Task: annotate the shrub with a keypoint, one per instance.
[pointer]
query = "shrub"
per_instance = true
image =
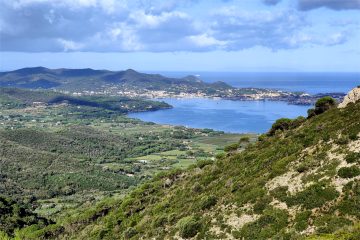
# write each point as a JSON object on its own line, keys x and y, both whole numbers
{"x": 311, "y": 113}
{"x": 352, "y": 157}
{"x": 324, "y": 104}
{"x": 197, "y": 188}
{"x": 129, "y": 233}
{"x": 301, "y": 220}
{"x": 349, "y": 172}
{"x": 207, "y": 202}
{"x": 160, "y": 221}
{"x": 321, "y": 106}
{"x": 314, "y": 196}
{"x": 280, "y": 124}
{"x": 202, "y": 163}
{"x": 231, "y": 147}
{"x": 244, "y": 140}
{"x": 188, "y": 227}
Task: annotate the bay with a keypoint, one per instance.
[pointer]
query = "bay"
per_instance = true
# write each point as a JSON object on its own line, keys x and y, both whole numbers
{"x": 223, "y": 115}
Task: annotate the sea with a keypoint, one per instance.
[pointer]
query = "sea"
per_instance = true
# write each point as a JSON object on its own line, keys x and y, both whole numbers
{"x": 246, "y": 116}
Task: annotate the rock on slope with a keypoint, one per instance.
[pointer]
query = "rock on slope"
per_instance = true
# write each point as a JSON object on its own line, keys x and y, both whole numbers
{"x": 351, "y": 97}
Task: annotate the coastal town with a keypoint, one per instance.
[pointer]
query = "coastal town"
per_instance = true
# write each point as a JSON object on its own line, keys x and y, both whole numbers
{"x": 234, "y": 94}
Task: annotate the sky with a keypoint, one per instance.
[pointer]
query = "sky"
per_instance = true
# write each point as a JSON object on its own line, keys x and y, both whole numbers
{"x": 182, "y": 35}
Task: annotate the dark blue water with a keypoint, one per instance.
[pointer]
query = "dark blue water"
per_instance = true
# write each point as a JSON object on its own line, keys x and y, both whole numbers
{"x": 223, "y": 115}
{"x": 290, "y": 81}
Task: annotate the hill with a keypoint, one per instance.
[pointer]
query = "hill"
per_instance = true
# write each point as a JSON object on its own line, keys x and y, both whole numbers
{"x": 95, "y": 80}
{"x": 299, "y": 181}
{"x": 19, "y": 98}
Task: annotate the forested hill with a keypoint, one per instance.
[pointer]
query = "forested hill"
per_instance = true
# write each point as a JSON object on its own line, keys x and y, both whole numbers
{"x": 301, "y": 179}
{"x": 81, "y": 79}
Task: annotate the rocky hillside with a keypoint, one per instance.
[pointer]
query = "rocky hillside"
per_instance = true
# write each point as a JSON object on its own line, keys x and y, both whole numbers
{"x": 302, "y": 180}
{"x": 352, "y": 97}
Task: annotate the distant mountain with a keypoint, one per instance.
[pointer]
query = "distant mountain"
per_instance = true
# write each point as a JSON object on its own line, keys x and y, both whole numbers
{"x": 90, "y": 79}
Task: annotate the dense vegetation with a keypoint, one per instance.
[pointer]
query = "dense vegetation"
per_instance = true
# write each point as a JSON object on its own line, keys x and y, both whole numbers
{"x": 297, "y": 181}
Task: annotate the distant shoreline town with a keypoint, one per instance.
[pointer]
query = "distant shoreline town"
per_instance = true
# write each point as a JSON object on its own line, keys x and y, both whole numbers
{"x": 130, "y": 83}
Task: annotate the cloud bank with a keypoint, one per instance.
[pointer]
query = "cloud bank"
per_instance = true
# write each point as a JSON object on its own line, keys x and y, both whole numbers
{"x": 306, "y": 5}
{"x": 155, "y": 26}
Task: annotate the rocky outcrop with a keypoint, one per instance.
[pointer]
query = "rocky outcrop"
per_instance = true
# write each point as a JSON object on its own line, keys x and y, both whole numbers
{"x": 351, "y": 97}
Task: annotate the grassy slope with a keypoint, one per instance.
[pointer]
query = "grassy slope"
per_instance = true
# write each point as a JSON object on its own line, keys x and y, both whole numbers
{"x": 283, "y": 187}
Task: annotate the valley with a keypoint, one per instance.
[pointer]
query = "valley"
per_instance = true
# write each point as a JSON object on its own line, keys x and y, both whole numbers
{"x": 58, "y": 153}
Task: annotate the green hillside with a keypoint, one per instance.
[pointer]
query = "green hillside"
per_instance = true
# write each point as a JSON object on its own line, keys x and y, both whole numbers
{"x": 290, "y": 184}
{"x": 89, "y": 79}
{"x": 57, "y": 156}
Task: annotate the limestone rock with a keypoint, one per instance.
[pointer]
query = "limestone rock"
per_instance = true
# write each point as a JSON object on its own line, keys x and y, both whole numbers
{"x": 351, "y": 97}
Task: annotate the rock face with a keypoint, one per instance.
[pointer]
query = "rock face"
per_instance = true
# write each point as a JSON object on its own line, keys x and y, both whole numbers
{"x": 351, "y": 97}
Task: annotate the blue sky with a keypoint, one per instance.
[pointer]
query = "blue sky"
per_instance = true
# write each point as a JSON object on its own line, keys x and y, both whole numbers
{"x": 181, "y": 35}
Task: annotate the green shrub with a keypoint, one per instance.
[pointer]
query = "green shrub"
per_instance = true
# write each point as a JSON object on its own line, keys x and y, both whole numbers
{"x": 352, "y": 157}
{"x": 324, "y": 104}
{"x": 314, "y": 196}
{"x": 231, "y": 147}
{"x": 207, "y": 202}
{"x": 311, "y": 113}
{"x": 160, "y": 221}
{"x": 188, "y": 227}
{"x": 261, "y": 204}
{"x": 244, "y": 140}
{"x": 301, "y": 220}
{"x": 267, "y": 226}
{"x": 280, "y": 124}
{"x": 202, "y": 163}
{"x": 130, "y": 232}
{"x": 349, "y": 172}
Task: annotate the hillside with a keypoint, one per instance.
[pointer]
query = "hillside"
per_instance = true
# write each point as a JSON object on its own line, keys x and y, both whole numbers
{"x": 303, "y": 181}
{"x": 89, "y": 79}
{"x": 20, "y": 98}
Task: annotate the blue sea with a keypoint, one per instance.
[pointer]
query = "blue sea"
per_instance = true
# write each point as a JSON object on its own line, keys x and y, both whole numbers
{"x": 247, "y": 116}
{"x": 313, "y": 83}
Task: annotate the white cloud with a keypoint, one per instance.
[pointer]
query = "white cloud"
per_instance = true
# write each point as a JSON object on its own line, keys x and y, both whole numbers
{"x": 204, "y": 40}
{"x": 153, "y": 25}
{"x": 69, "y": 45}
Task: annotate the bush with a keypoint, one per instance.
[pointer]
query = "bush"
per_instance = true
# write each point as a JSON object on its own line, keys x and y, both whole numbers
{"x": 129, "y": 233}
{"x": 314, "y": 196}
{"x": 207, "y": 202}
{"x": 188, "y": 227}
{"x": 321, "y": 106}
{"x": 231, "y": 147}
{"x": 202, "y": 163}
{"x": 280, "y": 124}
{"x": 301, "y": 220}
{"x": 349, "y": 172}
{"x": 324, "y": 104}
{"x": 244, "y": 140}
{"x": 352, "y": 157}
